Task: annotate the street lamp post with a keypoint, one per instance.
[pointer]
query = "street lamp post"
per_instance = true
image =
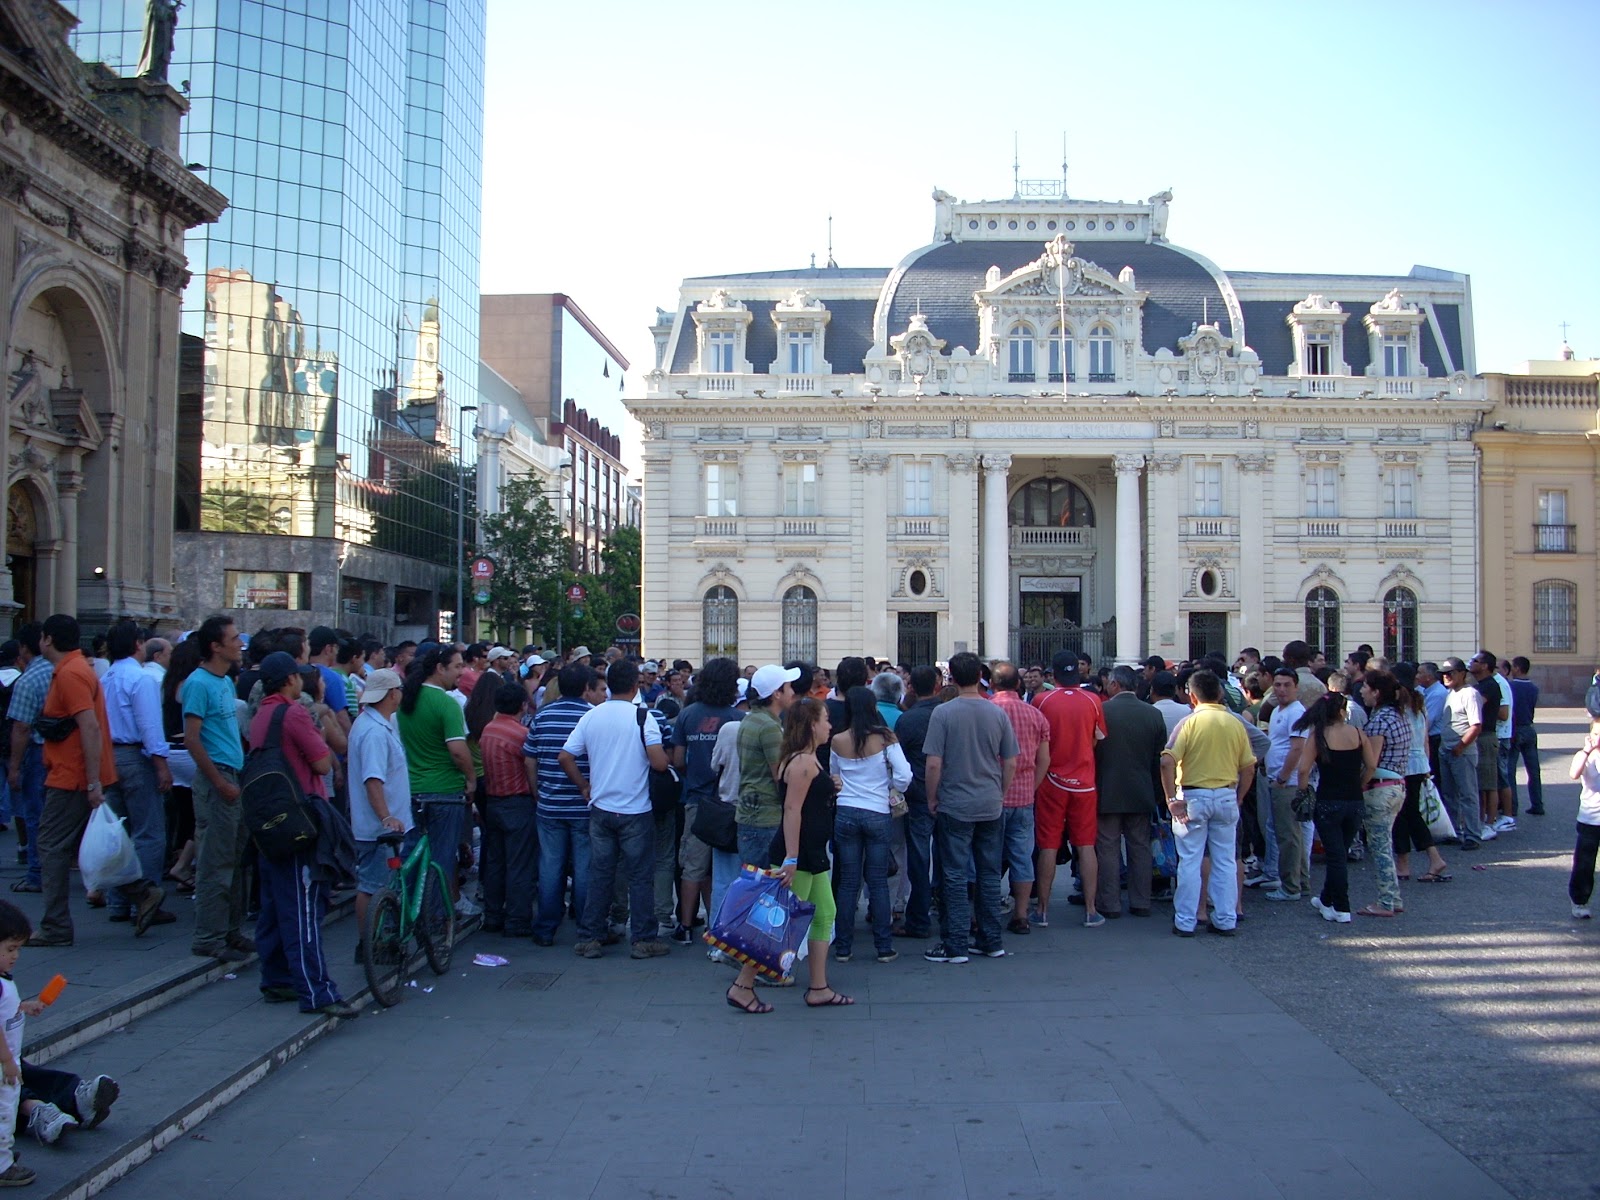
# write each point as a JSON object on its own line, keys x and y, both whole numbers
{"x": 565, "y": 471}
{"x": 461, "y": 518}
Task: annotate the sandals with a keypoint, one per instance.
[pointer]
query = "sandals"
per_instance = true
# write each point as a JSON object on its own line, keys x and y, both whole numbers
{"x": 1435, "y": 877}
{"x": 833, "y": 1001}
{"x": 755, "y": 1005}
{"x": 1373, "y": 910}
{"x": 22, "y": 885}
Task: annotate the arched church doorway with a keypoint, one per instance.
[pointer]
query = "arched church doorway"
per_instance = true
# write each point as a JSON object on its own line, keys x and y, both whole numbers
{"x": 22, "y": 537}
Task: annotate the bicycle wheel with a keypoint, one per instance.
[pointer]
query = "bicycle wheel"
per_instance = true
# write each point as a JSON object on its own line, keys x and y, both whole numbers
{"x": 436, "y": 923}
{"x": 383, "y": 950}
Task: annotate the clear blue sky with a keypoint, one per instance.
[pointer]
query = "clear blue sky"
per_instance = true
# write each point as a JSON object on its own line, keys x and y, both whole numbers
{"x": 629, "y": 144}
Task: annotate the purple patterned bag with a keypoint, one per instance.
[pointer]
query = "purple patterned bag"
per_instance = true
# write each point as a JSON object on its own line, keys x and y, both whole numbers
{"x": 761, "y": 923}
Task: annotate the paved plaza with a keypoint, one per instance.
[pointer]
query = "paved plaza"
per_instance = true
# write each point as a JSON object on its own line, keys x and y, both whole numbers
{"x": 1451, "y": 1053}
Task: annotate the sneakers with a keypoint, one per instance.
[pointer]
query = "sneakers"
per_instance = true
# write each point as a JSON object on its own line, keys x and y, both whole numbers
{"x": 939, "y": 954}
{"x": 683, "y": 935}
{"x": 1330, "y": 914}
{"x": 996, "y": 952}
{"x": 588, "y": 950}
{"x": 1278, "y": 893}
{"x": 1356, "y": 853}
{"x": 17, "y": 1175}
{"x": 466, "y": 908}
{"x": 841, "y": 956}
{"x": 888, "y": 956}
{"x": 717, "y": 956}
{"x": 1035, "y": 917}
{"x": 1580, "y": 912}
{"x": 1489, "y": 833}
{"x": 1094, "y": 920}
{"x": 47, "y": 1123}
{"x": 651, "y": 949}
{"x": 1259, "y": 878}
{"x": 1505, "y": 825}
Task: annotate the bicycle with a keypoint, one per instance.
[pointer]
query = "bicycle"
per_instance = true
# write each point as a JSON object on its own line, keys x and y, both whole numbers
{"x": 415, "y": 902}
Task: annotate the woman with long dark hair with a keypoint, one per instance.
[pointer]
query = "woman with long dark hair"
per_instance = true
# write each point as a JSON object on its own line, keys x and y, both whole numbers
{"x": 1334, "y": 748}
{"x": 866, "y": 762}
{"x": 434, "y": 734}
{"x": 1386, "y": 742}
{"x": 802, "y": 840}
{"x": 1411, "y": 832}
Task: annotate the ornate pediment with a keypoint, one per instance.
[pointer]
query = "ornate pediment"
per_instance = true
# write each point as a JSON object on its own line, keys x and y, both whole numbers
{"x": 1058, "y": 273}
{"x": 917, "y": 349}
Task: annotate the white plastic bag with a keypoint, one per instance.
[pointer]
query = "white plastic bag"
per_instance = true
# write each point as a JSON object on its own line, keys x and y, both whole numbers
{"x": 1435, "y": 813}
{"x": 105, "y": 856}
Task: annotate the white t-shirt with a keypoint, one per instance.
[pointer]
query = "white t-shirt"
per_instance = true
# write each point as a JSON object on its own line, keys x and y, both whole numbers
{"x": 619, "y": 768}
{"x": 1589, "y": 790}
{"x": 12, "y": 1017}
{"x": 1280, "y": 733}
{"x": 725, "y": 762}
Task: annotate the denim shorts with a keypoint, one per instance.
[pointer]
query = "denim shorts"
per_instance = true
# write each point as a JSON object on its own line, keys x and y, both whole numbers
{"x": 372, "y": 867}
{"x": 1017, "y": 825}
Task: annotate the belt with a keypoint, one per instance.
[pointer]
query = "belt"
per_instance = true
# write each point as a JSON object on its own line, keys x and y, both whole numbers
{"x": 127, "y": 745}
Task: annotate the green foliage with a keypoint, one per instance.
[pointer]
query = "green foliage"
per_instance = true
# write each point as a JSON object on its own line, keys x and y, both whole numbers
{"x": 532, "y": 555}
{"x": 612, "y": 592}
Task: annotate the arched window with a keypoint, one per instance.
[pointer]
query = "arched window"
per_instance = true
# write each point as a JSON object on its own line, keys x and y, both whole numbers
{"x": 719, "y": 618}
{"x": 1322, "y": 622}
{"x": 1051, "y": 501}
{"x": 1102, "y": 361}
{"x": 1021, "y": 349}
{"x": 1400, "y": 625}
{"x": 800, "y": 624}
{"x": 1555, "y": 616}
{"x": 1061, "y": 353}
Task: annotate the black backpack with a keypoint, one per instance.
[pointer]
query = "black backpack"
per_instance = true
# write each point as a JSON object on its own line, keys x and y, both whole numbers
{"x": 272, "y": 802}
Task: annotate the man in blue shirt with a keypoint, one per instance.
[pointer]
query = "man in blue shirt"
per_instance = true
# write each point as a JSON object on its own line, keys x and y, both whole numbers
{"x": 26, "y": 774}
{"x": 1434, "y": 694}
{"x": 1524, "y": 737}
{"x": 139, "y": 746}
{"x": 211, "y": 735}
{"x": 562, "y": 813}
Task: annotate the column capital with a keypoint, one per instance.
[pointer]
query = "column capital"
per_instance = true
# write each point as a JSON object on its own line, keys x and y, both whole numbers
{"x": 1252, "y": 464}
{"x": 996, "y": 464}
{"x": 874, "y": 464}
{"x": 961, "y": 464}
{"x": 1128, "y": 464}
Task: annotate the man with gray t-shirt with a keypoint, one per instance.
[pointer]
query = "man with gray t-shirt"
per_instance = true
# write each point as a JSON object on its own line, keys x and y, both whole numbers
{"x": 971, "y": 755}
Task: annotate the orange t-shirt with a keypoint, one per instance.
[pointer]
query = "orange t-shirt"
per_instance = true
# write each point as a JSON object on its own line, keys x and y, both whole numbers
{"x": 73, "y": 690}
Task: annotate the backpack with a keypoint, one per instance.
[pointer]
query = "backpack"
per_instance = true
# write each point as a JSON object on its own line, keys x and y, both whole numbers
{"x": 8, "y": 682}
{"x": 666, "y": 787}
{"x": 271, "y": 800}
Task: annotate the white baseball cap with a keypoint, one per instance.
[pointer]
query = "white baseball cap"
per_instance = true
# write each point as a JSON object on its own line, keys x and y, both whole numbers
{"x": 772, "y": 677}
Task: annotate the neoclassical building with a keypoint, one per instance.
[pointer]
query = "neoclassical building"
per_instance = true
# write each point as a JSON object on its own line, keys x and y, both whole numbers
{"x": 94, "y": 205}
{"x": 1051, "y": 427}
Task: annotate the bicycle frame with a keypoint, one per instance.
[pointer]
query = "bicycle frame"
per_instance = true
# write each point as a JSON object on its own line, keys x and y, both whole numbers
{"x": 408, "y": 881}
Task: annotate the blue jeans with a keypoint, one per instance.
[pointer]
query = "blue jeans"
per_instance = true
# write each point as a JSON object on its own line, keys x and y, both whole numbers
{"x": 1458, "y": 788}
{"x": 443, "y": 817}
{"x": 628, "y": 840}
{"x": 1018, "y": 824}
{"x": 561, "y": 841}
{"x": 134, "y": 797}
{"x": 1506, "y": 763}
{"x": 724, "y": 870}
{"x": 1211, "y": 828}
{"x": 1269, "y": 827}
{"x": 1526, "y": 743}
{"x": 507, "y": 864}
{"x": 919, "y": 862}
{"x": 755, "y": 845}
{"x": 982, "y": 844}
{"x": 861, "y": 842}
{"x": 28, "y": 803}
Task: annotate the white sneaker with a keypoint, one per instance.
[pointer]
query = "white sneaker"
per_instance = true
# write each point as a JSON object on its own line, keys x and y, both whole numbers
{"x": 1489, "y": 833}
{"x": 47, "y": 1123}
{"x": 1505, "y": 825}
{"x": 1333, "y": 914}
{"x": 1580, "y": 912}
{"x": 1316, "y": 903}
{"x": 466, "y": 908}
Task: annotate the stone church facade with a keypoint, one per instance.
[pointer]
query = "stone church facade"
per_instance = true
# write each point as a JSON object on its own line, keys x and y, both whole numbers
{"x": 1051, "y": 427}
{"x": 94, "y": 204}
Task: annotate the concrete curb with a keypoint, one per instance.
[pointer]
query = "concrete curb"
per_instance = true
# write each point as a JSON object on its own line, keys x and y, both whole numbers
{"x": 136, "y": 1150}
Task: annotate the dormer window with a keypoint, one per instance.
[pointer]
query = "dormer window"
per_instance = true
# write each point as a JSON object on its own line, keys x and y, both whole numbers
{"x": 1021, "y": 354}
{"x": 1318, "y": 325}
{"x": 1396, "y": 356}
{"x": 1395, "y": 330}
{"x": 1318, "y": 355}
{"x": 1102, "y": 361}
{"x": 1061, "y": 366}
{"x": 719, "y": 352}
{"x": 802, "y": 326}
{"x": 801, "y": 347}
{"x": 721, "y": 322}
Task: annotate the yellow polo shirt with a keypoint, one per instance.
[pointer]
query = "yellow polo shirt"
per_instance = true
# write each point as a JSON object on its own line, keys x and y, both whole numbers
{"x": 1211, "y": 748}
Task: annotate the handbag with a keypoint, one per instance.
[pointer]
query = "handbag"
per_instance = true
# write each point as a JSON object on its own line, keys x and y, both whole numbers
{"x": 1434, "y": 813}
{"x": 666, "y": 788}
{"x": 1163, "y": 849}
{"x": 715, "y": 822}
{"x": 897, "y": 799}
{"x": 761, "y": 923}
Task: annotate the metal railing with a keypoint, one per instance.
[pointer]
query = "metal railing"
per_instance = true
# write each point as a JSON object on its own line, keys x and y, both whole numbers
{"x": 1040, "y": 643}
{"x": 1555, "y": 539}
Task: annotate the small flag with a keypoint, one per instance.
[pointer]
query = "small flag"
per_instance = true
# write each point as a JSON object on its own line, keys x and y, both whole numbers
{"x": 605, "y": 370}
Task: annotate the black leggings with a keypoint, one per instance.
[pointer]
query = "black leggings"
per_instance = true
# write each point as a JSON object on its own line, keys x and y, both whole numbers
{"x": 49, "y": 1087}
{"x": 1581, "y": 886}
{"x": 1410, "y": 830}
{"x": 1337, "y": 822}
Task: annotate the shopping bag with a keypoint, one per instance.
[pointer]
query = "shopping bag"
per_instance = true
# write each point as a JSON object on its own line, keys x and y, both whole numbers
{"x": 1163, "y": 849}
{"x": 761, "y": 923}
{"x": 1434, "y": 812}
{"x": 105, "y": 855}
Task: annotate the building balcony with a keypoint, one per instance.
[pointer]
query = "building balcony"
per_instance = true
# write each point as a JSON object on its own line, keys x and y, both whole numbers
{"x": 918, "y": 528}
{"x": 718, "y": 529}
{"x": 1208, "y": 527}
{"x": 1362, "y": 530}
{"x": 1052, "y": 537}
{"x": 808, "y": 527}
{"x": 1555, "y": 539}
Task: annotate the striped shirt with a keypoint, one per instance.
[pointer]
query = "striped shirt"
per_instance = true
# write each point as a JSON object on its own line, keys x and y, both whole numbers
{"x": 558, "y": 796}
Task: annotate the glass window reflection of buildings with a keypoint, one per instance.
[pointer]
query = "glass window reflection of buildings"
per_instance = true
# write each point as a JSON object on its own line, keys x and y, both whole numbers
{"x": 331, "y": 325}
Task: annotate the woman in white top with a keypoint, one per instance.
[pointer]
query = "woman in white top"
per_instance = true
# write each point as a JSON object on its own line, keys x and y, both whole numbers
{"x": 866, "y": 761}
{"x": 1586, "y": 770}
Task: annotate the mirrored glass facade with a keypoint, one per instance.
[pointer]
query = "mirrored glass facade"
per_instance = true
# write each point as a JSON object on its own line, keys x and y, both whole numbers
{"x": 331, "y": 326}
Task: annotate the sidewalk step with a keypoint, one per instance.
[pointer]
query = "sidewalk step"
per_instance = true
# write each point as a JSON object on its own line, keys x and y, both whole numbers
{"x": 178, "y": 1061}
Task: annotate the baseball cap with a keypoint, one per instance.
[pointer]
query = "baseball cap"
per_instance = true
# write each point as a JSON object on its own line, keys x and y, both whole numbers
{"x": 499, "y": 652}
{"x": 276, "y": 669}
{"x": 743, "y": 685}
{"x": 379, "y": 684}
{"x": 772, "y": 677}
{"x": 1452, "y": 664}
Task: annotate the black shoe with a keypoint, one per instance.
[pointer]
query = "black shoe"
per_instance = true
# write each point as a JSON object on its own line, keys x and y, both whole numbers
{"x": 683, "y": 936}
{"x": 120, "y": 918}
{"x": 1138, "y": 912}
{"x": 1470, "y": 846}
{"x": 1182, "y": 932}
{"x": 1018, "y": 926}
{"x": 225, "y": 954}
{"x": 1536, "y": 812}
{"x": 1076, "y": 899}
{"x": 279, "y": 995}
{"x": 339, "y": 1008}
{"x": 1220, "y": 931}
{"x": 39, "y": 942}
{"x": 239, "y": 942}
{"x": 540, "y": 940}
{"x": 487, "y": 928}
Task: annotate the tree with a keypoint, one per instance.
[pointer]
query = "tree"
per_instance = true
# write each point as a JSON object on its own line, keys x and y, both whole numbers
{"x": 613, "y": 591}
{"x": 531, "y": 554}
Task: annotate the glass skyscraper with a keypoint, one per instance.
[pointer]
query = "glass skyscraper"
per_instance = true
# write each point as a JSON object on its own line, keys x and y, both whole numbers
{"x": 332, "y": 321}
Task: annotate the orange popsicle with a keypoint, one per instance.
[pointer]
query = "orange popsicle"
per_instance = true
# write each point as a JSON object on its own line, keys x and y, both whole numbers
{"x": 52, "y": 990}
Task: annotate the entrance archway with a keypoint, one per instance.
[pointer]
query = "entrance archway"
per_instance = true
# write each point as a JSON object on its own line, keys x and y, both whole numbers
{"x": 22, "y": 538}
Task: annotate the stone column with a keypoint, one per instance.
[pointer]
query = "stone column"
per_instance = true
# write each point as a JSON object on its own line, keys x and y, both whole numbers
{"x": 996, "y": 557}
{"x": 1252, "y": 579}
{"x": 875, "y": 556}
{"x": 69, "y": 486}
{"x": 961, "y": 574}
{"x": 1130, "y": 559}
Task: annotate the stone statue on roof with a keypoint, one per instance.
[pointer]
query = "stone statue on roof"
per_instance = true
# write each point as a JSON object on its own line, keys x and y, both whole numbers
{"x": 1158, "y": 214}
{"x": 160, "y": 30}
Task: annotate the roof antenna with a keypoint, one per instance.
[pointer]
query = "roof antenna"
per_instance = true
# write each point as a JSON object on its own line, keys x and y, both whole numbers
{"x": 831, "y": 263}
{"x": 1063, "y": 164}
{"x": 813, "y": 260}
{"x": 1016, "y": 169}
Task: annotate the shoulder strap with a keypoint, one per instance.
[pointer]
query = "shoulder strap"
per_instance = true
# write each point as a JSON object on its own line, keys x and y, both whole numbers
{"x": 275, "y": 729}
